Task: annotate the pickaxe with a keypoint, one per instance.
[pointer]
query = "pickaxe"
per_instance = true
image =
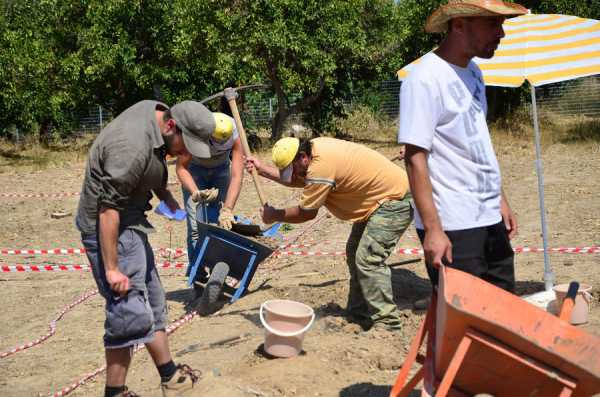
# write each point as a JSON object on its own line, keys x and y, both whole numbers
{"x": 230, "y": 95}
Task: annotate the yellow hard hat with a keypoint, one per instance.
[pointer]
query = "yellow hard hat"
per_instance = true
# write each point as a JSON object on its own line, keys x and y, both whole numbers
{"x": 284, "y": 151}
{"x": 223, "y": 127}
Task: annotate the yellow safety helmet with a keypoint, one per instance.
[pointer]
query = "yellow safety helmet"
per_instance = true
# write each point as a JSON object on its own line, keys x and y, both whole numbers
{"x": 284, "y": 151}
{"x": 223, "y": 127}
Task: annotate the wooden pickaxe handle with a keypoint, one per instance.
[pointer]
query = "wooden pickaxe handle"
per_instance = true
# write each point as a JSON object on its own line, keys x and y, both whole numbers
{"x": 230, "y": 95}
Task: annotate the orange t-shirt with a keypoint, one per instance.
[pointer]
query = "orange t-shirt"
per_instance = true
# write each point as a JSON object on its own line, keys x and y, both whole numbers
{"x": 350, "y": 180}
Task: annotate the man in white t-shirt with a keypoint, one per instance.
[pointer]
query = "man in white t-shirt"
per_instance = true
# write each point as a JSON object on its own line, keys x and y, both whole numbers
{"x": 463, "y": 218}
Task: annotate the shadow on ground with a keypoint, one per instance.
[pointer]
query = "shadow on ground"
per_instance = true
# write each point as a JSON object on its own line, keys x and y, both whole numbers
{"x": 528, "y": 287}
{"x": 408, "y": 287}
{"x": 371, "y": 390}
{"x": 180, "y": 295}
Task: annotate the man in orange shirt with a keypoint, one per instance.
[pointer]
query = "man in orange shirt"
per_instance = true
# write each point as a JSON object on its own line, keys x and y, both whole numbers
{"x": 356, "y": 184}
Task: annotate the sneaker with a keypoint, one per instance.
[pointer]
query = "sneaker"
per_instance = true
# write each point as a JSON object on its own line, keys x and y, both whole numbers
{"x": 184, "y": 379}
{"x": 422, "y": 304}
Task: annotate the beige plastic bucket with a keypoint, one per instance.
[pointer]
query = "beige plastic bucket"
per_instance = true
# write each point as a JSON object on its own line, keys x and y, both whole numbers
{"x": 583, "y": 300}
{"x": 285, "y": 323}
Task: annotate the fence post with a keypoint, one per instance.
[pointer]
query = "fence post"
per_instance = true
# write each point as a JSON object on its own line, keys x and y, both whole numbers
{"x": 100, "y": 112}
{"x": 270, "y": 109}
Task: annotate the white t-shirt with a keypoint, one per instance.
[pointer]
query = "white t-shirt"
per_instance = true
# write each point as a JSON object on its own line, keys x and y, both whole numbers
{"x": 443, "y": 110}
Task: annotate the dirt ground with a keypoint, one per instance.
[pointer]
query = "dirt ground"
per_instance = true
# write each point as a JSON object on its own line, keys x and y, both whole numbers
{"x": 339, "y": 358}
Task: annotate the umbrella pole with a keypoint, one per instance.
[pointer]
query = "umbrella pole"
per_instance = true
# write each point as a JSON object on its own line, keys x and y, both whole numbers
{"x": 548, "y": 274}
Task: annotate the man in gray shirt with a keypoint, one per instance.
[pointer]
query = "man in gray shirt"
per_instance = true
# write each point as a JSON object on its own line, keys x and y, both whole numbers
{"x": 126, "y": 164}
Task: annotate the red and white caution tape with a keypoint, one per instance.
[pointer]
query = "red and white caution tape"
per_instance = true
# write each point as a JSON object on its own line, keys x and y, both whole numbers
{"x": 309, "y": 253}
{"x": 174, "y": 326}
{"x": 409, "y": 251}
{"x": 419, "y": 251}
{"x": 20, "y": 268}
{"x": 159, "y": 251}
{"x": 561, "y": 250}
{"x": 40, "y": 195}
{"x": 79, "y": 251}
{"x": 38, "y": 268}
{"x": 52, "y": 251}
{"x": 296, "y": 246}
{"x": 186, "y": 318}
{"x": 83, "y": 380}
{"x": 52, "y": 326}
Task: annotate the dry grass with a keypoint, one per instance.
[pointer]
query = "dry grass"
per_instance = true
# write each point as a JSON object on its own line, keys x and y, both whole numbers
{"x": 30, "y": 155}
{"x": 363, "y": 125}
{"x": 517, "y": 128}
{"x": 514, "y": 132}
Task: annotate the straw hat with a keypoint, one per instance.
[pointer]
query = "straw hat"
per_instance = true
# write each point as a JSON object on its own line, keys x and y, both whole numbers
{"x": 438, "y": 21}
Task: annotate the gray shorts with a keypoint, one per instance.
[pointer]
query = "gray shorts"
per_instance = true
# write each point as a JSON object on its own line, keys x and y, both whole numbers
{"x": 132, "y": 319}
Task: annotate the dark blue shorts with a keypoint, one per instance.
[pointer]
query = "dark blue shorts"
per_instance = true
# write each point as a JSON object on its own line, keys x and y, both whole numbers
{"x": 131, "y": 319}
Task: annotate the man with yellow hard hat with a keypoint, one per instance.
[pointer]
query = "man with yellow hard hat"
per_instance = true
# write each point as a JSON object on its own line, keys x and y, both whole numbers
{"x": 356, "y": 184}
{"x": 214, "y": 180}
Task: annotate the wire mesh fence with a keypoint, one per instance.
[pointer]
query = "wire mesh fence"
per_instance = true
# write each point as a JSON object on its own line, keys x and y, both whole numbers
{"x": 390, "y": 103}
{"x": 94, "y": 119}
{"x": 579, "y": 97}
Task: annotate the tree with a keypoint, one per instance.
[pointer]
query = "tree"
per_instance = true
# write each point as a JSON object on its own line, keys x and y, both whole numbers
{"x": 311, "y": 52}
{"x": 38, "y": 65}
{"x": 126, "y": 49}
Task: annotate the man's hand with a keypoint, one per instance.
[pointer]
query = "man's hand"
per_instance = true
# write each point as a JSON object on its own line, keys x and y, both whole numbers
{"x": 165, "y": 195}
{"x": 251, "y": 163}
{"x": 226, "y": 218}
{"x": 437, "y": 246}
{"x": 269, "y": 214}
{"x": 509, "y": 218}
{"x": 171, "y": 202}
{"x": 205, "y": 195}
{"x": 401, "y": 152}
{"x": 118, "y": 281}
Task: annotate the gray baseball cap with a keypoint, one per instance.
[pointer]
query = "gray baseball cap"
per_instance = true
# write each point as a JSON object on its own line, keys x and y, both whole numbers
{"x": 197, "y": 124}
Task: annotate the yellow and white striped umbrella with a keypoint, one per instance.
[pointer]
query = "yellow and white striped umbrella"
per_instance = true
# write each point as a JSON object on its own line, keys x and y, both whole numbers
{"x": 542, "y": 49}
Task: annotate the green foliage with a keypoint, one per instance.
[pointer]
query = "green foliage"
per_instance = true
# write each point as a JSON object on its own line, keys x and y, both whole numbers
{"x": 315, "y": 51}
{"x": 60, "y": 56}
{"x": 38, "y": 67}
{"x": 580, "y": 8}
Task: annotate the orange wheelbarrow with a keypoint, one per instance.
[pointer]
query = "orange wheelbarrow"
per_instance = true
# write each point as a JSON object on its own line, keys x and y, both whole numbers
{"x": 484, "y": 340}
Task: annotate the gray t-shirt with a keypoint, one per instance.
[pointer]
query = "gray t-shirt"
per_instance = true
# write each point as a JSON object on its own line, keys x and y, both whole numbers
{"x": 126, "y": 162}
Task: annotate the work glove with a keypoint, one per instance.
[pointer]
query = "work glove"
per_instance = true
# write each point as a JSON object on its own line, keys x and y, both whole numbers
{"x": 205, "y": 195}
{"x": 226, "y": 218}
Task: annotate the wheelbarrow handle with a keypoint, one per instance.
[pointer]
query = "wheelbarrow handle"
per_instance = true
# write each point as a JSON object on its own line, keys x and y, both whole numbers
{"x": 569, "y": 302}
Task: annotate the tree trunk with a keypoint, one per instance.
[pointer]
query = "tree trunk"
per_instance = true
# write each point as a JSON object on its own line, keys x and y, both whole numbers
{"x": 45, "y": 133}
{"x": 278, "y": 122}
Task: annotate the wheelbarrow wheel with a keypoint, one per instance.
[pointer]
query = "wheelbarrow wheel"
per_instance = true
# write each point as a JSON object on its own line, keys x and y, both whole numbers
{"x": 209, "y": 301}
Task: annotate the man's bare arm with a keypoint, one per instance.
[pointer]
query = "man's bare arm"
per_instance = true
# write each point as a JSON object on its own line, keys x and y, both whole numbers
{"x": 436, "y": 244}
